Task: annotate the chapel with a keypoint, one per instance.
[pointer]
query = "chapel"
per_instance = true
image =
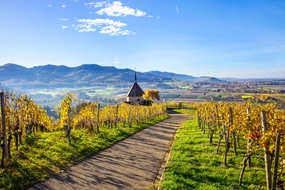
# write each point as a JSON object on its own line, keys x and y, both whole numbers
{"x": 134, "y": 96}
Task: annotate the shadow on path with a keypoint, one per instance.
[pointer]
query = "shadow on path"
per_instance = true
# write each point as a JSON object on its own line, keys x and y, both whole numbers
{"x": 130, "y": 164}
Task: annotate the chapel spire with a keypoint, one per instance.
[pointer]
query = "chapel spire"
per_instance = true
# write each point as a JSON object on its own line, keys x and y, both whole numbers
{"x": 135, "y": 93}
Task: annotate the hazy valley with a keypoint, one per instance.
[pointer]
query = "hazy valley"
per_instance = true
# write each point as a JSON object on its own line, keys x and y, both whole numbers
{"x": 48, "y": 84}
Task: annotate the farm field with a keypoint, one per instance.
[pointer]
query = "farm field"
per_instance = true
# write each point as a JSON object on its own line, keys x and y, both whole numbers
{"x": 52, "y": 97}
{"x": 280, "y": 97}
{"x": 112, "y": 95}
{"x": 273, "y": 87}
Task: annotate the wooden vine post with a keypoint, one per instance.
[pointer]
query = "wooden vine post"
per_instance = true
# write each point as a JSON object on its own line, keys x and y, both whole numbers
{"x": 97, "y": 119}
{"x": 129, "y": 117}
{"x": 233, "y": 133}
{"x": 247, "y": 157}
{"x": 266, "y": 153}
{"x": 221, "y": 133}
{"x": 4, "y": 146}
{"x": 68, "y": 125}
{"x": 276, "y": 161}
{"x": 199, "y": 119}
{"x": 211, "y": 131}
{"x": 234, "y": 142}
{"x": 227, "y": 135}
{"x": 116, "y": 117}
{"x": 248, "y": 140}
{"x": 205, "y": 119}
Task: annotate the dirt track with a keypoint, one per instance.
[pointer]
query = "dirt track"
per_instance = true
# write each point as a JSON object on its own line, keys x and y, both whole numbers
{"x": 134, "y": 163}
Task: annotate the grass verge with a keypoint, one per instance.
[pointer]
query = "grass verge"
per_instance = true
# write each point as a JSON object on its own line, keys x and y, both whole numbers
{"x": 185, "y": 111}
{"x": 48, "y": 154}
{"x": 194, "y": 164}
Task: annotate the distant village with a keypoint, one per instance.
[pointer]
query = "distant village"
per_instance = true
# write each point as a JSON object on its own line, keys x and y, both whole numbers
{"x": 204, "y": 89}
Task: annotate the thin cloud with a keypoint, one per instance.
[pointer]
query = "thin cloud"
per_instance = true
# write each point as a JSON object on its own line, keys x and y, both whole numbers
{"x": 105, "y": 26}
{"x": 117, "y": 61}
{"x": 49, "y": 5}
{"x": 95, "y": 4}
{"x": 99, "y": 22}
{"x": 150, "y": 16}
{"x": 117, "y": 9}
{"x": 176, "y": 9}
{"x": 63, "y": 19}
{"x": 64, "y": 27}
{"x": 114, "y": 31}
{"x": 63, "y": 6}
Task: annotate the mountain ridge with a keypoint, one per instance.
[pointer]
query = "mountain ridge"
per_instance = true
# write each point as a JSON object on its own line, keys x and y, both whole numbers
{"x": 86, "y": 74}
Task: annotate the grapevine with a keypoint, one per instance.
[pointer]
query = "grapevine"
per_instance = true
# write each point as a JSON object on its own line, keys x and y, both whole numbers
{"x": 258, "y": 124}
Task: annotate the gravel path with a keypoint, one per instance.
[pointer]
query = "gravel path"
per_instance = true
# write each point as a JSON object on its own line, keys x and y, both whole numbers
{"x": 134, "y": 163}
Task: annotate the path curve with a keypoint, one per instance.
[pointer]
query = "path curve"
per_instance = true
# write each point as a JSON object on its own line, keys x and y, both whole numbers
{"x": 134, "y": 163}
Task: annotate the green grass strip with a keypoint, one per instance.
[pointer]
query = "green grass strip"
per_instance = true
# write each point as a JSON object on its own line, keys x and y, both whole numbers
{"x": 185, "y": 111}
{"x": 194, "y": 164}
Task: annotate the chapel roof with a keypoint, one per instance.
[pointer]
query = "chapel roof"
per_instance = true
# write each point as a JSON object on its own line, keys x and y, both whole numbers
{"x": 136, "y": 90}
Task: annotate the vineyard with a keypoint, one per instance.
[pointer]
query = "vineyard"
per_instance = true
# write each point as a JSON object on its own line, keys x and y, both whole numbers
{"x": 259, "y": 129}
{"x": 33, "y": 141}
{"x": 26, "y": 128}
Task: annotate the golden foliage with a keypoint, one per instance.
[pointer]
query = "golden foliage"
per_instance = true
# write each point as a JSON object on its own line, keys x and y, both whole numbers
{"x": 246, "y": 122}
{"x": 151, "y": 95}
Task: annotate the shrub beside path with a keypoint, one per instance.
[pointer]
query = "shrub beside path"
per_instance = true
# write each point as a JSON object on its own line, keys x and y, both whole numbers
{"x": 134, "y": 163}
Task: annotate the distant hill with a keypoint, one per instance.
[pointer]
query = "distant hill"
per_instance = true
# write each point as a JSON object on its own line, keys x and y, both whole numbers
{"x": 209, "y": 79}
{"x": 52, "y": 75}
{"x": 87, "y": 74}
{"x": 173, "y": 76}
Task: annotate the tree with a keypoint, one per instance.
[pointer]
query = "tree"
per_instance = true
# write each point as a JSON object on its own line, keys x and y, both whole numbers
{"x": 151, "y": 95}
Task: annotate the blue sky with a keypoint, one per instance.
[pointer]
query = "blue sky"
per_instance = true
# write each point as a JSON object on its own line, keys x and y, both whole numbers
{"x": 221, "y": 38}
